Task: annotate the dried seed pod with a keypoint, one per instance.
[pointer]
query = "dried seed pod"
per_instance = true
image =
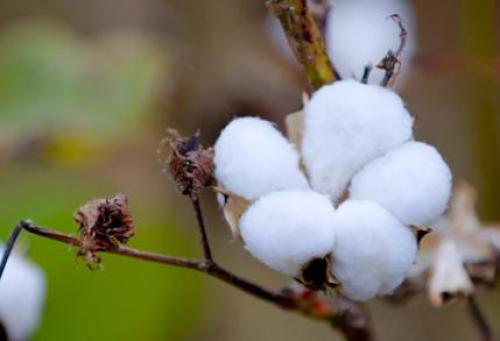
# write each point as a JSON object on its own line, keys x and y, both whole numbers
{"x": 190, "y": 165}
{"x": 103, "y": 224}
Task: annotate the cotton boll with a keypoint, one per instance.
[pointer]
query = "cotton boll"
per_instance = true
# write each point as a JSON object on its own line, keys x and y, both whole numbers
{"x": 373, "y": 251}
{"x": 359, "y": 32}
{"x": 22, "y": 294}
{"x": 412, "y": 182}
{"x": 347, "y": 124}
{"x": 285, "y": 230}
{"x": 252, "y": 158}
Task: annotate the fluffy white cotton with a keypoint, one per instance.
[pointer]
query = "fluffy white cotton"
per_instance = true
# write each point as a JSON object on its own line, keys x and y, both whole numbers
{"x": 358, "y": 33}
{"x": 287, "y": 229}
{"x": 347, "y": 124}
{"x": 252, "y": 158}
{"x": 22, "y": 294}
{"x": 373, "y": 251}
{"x": 412, "y": 182}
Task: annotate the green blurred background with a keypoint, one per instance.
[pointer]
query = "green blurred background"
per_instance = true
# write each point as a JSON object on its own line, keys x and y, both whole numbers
{"x": 87, "y": 89}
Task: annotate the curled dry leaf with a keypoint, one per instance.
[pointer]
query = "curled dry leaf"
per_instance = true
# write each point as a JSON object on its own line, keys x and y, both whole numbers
{"x": 189, "y": 163}
{"x": 103, "y": 224}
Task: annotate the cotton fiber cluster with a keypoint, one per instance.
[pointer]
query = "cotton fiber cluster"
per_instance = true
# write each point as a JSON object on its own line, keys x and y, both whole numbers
{"x": 22, "y": 294}
{"x": 287, "y": 229}
{"x": 359, "y": 33}
{"x": 358, "y": 153}
{"x": 252, "y": 158}
{"x": 373, "y": 250}
{"x": 348, "y": 124}
{"x": 412, "y": 182}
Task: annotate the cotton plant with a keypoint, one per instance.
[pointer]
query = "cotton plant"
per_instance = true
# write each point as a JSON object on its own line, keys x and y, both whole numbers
{"x": 338, "y": 206}
{"x": 459, "y": 250}
{"x": 358, "y": 34}
{"x": 22, "y": 296}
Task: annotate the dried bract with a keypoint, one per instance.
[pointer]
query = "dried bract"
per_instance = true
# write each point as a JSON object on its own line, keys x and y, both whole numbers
{"x": 189, "y": 163}
{"x": 103, "y": 224}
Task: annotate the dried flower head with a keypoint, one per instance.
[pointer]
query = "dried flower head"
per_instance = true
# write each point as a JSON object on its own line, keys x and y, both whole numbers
{"x": 189, "y": 163}
{"x": 103, "y": 224}
{"x": 459, "y": 252}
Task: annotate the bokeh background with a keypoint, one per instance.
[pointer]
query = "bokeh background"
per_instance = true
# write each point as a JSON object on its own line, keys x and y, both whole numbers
{"x": 87, "y": 89}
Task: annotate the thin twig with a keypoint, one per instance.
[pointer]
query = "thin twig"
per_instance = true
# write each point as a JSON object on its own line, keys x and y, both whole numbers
{"x": 391, "y": 62}
{"x": 341, "y": 313}
{"x": 305, "y": 40}
{"x": 9, "y": 246}
{"x": 203, "y": 231}
{"x": 479, "y": 319}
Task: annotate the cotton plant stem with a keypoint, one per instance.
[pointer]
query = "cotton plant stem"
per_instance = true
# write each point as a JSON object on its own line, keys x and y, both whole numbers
{"x": 341, "y": 313}
{"x": 9, "y": 246}
{"x": 202, "y": 229}
{"x": 305, "y": 40}
{"x": 479, "y": 319}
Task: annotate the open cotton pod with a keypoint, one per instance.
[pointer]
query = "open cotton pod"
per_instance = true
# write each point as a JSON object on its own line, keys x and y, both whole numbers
{"x": 373, "y": 251}
{"x": 359, "y": 33}
{"x": 412, "y": 182}
{"x": 348, "y": 124}
{"x": 253, "y": 158}
{"x": 22, "y": 294}
{"x": 287, "y": 230}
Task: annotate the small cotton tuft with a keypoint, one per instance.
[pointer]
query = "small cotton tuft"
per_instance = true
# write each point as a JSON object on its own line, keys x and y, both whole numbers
{"x": 22, "y": 294}
{"x": 412, "y": 182}
{"x": 252, "y": 158}
{"x": 373, "y": 251}
{"x": 287, "y": 229}
{"x": 347, "y": 124}
{"x": 358, "y": 33}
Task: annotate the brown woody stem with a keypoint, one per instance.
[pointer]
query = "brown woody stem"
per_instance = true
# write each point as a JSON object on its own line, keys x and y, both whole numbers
{"x": 341, "y": 313}
{"x": 203, "y": 231}
{"x": 305, "y": 40}
{"x": 479, "y": 319}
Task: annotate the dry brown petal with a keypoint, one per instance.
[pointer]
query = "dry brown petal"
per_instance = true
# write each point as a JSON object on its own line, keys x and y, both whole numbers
{"x": 463, "y": 216}
{"x": 190, "y": 165}
{"x": 490, "y": 233}
{"x": 234, "y": 207}
{"x": 295, "y": 128}
{"x": 103, "y": 224}
{"x": 484, "y": 272}
{"x": 448, "y": 278}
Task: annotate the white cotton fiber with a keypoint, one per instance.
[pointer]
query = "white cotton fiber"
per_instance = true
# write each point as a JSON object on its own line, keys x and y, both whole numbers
{"x": 252, "y": 158}
{"x": 412, "y": 182}
{"x": 348, "y": 124}
{"x": 373, "y": 251}
{"x": 358, "y": 33}
{"x": 22, "y": 294}
{"x": 287, "y": 229}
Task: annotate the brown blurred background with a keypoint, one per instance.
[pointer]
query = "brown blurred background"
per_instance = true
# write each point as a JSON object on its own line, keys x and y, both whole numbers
{"x": 87, "y": 89}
